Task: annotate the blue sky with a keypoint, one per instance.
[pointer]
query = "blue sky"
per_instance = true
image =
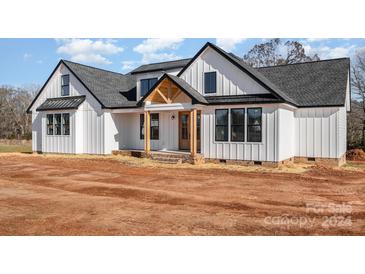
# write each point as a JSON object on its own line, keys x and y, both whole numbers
{"x": 26, "y": 62}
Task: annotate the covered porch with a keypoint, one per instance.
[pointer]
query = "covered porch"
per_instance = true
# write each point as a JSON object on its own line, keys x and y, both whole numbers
{"x": 168, "y": 125}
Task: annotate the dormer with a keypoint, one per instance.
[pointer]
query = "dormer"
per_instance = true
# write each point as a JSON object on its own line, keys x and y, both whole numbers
{"x": 147, "y": 75}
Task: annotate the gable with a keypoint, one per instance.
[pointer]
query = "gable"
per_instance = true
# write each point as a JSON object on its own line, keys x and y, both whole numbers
{"x": 230, "y": 79}
{"x": 52, "y": 89}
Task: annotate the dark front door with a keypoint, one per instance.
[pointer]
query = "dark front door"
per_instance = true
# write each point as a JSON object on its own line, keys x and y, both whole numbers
{"x": 184, "y": 130}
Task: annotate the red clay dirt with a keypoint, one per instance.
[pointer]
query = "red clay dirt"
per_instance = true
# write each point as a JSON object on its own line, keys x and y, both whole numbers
{"x": 42, "y": 195}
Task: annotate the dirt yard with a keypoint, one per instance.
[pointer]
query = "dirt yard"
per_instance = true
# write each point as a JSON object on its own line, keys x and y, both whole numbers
{"x": 59, "y": 195}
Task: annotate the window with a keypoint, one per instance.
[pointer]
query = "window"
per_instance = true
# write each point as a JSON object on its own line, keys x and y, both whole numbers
{"x": 154, "y": 128}
{"x": 238, "y": 125}
{"x": 49, "y": 124}
{"x": 57, "y": 124}
{"x": 147, "y": 84}
{"x": 254, "y": 122}
{"x": 210, "y": 82}
{"x": 141, "y": 126}
{"x": 221, "y": 124}
{"x": 65, "y": 124}
{"x": 65, "y": 85}
{"x": 155, "y": 124}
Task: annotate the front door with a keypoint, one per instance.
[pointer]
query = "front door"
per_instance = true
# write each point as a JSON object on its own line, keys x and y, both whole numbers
{"x": 184, "y": 130}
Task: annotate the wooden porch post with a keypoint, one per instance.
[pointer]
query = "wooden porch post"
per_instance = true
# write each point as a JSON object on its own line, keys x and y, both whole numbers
{"x": 147, "y": 132}
{"x": 193, "y": 132}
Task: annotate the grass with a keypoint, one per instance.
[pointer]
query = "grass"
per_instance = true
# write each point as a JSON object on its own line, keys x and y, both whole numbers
{"x": 15, "y": 148}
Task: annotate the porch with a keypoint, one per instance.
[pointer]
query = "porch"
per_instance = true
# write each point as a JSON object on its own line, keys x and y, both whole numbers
{"x": 167, "y": 126}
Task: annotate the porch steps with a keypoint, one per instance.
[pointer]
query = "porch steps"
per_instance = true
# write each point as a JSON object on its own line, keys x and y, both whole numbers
{"x": 169, "y": 158}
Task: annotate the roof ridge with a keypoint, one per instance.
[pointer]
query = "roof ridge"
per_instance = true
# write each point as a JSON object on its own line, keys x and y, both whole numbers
{"x": 63, "y": 60}
{"x": 302, "y": 63}
{"x": 166, "y": 61}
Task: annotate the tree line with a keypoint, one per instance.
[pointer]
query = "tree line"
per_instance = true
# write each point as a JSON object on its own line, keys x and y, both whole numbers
{"x": 15, "y": 123}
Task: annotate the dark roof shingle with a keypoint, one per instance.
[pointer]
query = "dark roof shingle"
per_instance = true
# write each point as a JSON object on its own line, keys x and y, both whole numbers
{"x": 163, "y": 66}
{"x": 310, "y": 84}
{"x": 111, "y": 89}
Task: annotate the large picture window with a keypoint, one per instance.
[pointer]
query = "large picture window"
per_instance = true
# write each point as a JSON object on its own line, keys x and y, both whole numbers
{"x": 49, "y": 124}
{"x": 65, "y": 85}
{"x": 147, "y": 84}
{"x": 155, "y": 126}
{"x": 210, "y": 82}
{"x": 238, "y": 125}
{"x": 58, "y": 124}
{"x": 221, "y": 124}
{"x": 254, "y": 124}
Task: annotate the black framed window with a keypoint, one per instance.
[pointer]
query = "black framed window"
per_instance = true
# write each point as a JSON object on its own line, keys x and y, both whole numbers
{"x": 65, "y": 124}
{"x": 147, "y": 84}
{"x": 238, "y": 124}
{"x": 210, "y": 82}
{"x": 254, "y": 124}
{"x": 141, "y": 126}
{"x": 155, "y": 126}
{"x": 57, "y": 124}
{"x": 65, "y": 85}
{"x": 221, "y": 124}
{"x": 49, "y": 124}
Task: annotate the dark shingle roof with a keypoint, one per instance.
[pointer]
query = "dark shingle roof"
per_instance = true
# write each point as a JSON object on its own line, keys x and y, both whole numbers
{"x": 243, "y": 99}
{"x": 319, "y": 83}
{"x": 72, "y": 102}
{"x": 164, "y": 66}
{"x": 111, "y": 89}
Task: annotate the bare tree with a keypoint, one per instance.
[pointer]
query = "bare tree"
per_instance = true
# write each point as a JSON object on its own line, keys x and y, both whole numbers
{"x": 14, "y": 122}
{"x": 274, "y": 52}
{"x": 358, "y": 84}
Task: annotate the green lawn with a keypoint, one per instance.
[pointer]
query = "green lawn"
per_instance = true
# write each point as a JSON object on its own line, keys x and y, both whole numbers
{"x": 15, "y": 148}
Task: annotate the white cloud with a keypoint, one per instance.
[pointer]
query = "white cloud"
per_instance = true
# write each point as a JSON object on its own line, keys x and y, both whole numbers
{"x": 154, "y": 49}
{"x": 229, "y": 44}
{"x": 326, "y": 52}
{"x": 27, "y": 56}
{"x": 87, "y": 50}
{"x": 310, "y": 40}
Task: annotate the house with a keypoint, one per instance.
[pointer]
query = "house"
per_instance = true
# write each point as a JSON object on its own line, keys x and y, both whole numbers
{"x": 212, "y": 106}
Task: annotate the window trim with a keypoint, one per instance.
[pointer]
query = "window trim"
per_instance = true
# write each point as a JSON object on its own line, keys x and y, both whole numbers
{"x": 148, "y": 84}
{"x": 248, "y": 125}
{"x": 215, "y": 125}
{"x": 48, "y": 124}
{"x": 54, "y": 125}
{"x": 243, "y": 125}
{"x": 141, "y": 126}
{"x": 158, "y": 126}
{"x": 64, "y": 85}
{"x": 216, "y": 80}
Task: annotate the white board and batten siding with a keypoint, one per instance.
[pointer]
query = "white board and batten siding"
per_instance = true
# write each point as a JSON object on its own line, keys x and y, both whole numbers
{"x": 128, "y": 125}
{"x": 230, "y": 79}
{"x": 266, "y": 150}
{"x": 86, "y": 124}
{"x": 320, "y": 132}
